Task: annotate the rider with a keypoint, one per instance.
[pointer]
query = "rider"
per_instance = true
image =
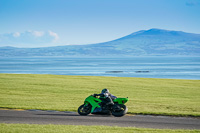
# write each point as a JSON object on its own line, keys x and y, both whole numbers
{"x": 106, "y": 97}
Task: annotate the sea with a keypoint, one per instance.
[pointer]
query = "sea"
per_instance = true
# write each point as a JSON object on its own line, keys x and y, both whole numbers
{"x": 145, "y": 67}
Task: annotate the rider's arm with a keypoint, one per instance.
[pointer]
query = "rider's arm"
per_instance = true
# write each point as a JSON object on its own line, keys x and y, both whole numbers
{"x": 95, "y": 95}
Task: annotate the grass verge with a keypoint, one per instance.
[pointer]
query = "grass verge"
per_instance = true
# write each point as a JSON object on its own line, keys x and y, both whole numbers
{"x": 33, "y": 128}
{"x": 59, "y": 92}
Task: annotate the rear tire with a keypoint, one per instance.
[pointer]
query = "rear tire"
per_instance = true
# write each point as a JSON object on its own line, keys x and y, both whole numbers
{"x": 119, "y": 110}
{"x": 84, "y": 110}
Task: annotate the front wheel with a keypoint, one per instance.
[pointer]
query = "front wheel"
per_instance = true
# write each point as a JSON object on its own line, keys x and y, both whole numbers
{"x": 119, "y": 110}
{"x": 84, "y": 109}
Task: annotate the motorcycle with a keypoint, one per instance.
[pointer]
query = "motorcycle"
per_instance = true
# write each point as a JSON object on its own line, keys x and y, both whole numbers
{"x": 94, "y": 104}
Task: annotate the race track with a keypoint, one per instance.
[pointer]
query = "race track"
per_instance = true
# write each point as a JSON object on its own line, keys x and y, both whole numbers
{"x": 72, "y": 118}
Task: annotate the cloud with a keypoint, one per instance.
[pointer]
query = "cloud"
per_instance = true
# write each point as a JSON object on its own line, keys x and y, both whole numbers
{"x": 192, "y": 3}
{"x": 38, "y": 33}
{"x": 29, "y": 39}
{"x": 16, "y": 34}
{"x": 53, "y": 34}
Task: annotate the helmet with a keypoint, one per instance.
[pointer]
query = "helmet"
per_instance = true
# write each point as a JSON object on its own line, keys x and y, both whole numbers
{"x": 105, "y": 91}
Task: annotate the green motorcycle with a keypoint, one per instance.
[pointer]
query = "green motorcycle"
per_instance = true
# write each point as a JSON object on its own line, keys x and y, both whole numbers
{"x": 95, "y": 105}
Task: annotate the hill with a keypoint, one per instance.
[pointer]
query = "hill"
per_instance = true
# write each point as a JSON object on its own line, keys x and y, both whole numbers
{"x": 153, "y": 42}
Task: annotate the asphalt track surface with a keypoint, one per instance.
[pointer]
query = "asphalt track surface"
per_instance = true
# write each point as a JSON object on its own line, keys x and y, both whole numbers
{"x": 72, "y": 118}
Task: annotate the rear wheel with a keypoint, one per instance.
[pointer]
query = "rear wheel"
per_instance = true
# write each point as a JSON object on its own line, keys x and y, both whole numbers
{"x": 84, "y": 109}
{"x": 119, "y": 110}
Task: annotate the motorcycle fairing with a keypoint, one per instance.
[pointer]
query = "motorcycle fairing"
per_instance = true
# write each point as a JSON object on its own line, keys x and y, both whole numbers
{"x": 120, "y": 100}
{"x": 93, "y": 101}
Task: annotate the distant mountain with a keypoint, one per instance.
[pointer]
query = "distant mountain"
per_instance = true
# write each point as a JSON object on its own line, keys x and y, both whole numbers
{"x": 153, "y": 42}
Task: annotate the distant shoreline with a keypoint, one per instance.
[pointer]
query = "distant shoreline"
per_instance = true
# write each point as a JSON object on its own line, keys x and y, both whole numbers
{"x": 96, "y": 76}
{"x": 147, "y": 67}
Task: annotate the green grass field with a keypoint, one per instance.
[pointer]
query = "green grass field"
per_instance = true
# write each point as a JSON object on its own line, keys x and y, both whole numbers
{"x": 67, "y": 93}
{"x": 33, "y": 128}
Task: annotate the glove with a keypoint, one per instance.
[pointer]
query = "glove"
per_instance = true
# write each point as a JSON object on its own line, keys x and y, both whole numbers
{"x": 95, "y": 95}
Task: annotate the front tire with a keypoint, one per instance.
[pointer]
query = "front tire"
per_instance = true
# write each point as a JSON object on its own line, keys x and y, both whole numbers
{"x": 84, "y": 110}
{"x": 119, "y": 110}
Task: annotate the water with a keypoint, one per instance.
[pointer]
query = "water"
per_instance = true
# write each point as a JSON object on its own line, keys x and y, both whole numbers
{"x": 148, "y": 67}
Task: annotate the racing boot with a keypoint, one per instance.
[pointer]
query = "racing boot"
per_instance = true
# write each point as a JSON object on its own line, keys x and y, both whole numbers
{"x": 109, "y": 104}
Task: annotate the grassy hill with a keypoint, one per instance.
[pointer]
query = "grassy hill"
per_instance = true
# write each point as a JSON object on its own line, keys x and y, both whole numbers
{"x": 59, "y": 92}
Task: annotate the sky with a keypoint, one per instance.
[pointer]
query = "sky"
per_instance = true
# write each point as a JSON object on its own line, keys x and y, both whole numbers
{"x": 43, "y": 23}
